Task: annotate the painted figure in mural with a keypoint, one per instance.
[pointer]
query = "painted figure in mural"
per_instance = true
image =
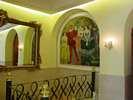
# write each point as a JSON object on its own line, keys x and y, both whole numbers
{"x": 87, "y": 45}
{"x": 80, "y": 35}
{"x": 64, "y": 50}
{"x": 95, "y": 40}
{"x": 87, "y": 34}
{"x": 71, "y": 37}
{"x": 80, "y": 31}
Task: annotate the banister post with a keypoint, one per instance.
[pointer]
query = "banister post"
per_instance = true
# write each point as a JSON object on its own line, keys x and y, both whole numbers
{"x": 8, "y": 87}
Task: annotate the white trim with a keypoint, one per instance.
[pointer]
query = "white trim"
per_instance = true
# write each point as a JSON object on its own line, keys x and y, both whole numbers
{"x": 80, "y": 67}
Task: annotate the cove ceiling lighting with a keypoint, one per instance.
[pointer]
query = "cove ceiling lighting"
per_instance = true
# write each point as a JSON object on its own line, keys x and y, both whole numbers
{"x": 48, "y": 6}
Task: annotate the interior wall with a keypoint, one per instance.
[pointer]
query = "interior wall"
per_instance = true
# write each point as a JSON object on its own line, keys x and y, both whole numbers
{"x": 110, "y": 17}
{"x": 3, "y": 38}
{"x": 46, "y": 43}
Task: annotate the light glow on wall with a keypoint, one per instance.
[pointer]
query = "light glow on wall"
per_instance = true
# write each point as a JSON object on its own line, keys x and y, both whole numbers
{"x": 110, "y": 42}
{"x": 21, "y": 46}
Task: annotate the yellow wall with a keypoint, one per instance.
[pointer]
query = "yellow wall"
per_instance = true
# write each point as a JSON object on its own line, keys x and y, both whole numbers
{"x": 110, "y": 15}
{"x": 46, "y": 22}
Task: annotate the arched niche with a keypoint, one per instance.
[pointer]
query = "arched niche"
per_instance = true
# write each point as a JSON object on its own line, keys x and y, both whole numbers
{"x": 11, "y": 48}
{"x": 74, "y": 55}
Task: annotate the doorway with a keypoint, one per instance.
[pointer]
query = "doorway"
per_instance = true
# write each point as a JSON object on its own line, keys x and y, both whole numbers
{"x": 15, "y": 50}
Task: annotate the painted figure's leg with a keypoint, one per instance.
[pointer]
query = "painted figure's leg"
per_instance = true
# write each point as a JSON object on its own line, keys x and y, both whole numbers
{"x": 70, "y": 50}
{"x": 76, "y": 55}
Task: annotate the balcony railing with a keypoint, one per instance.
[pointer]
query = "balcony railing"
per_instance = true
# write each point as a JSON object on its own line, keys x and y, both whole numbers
{"x": 63, "y": 88}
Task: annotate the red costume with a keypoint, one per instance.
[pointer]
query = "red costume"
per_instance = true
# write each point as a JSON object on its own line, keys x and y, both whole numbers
{"x": 71, "y": 37}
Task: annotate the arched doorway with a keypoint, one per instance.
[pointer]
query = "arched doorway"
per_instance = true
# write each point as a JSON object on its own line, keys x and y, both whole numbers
{"x": 15, "y": 50}
{"x": 129, "y": 44}
{"x": 132, "y": 51}
{"x": 128, "y": 36}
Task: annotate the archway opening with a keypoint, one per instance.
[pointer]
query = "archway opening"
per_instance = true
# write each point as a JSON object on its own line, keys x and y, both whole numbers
{"x": 15, "y": 50}
{"x": 129, "y": 56}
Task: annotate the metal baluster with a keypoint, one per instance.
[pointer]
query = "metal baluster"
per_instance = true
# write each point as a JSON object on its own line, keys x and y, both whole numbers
{"x": 93, "y": 83}
{"x": 8, "y": 86}
{"x": 8, "y": 89}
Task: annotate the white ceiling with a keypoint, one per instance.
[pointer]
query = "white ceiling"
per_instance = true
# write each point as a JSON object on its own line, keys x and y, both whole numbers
{"x": 48, "y": 6}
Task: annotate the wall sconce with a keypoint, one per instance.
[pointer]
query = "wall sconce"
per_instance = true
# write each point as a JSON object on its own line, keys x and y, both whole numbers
{"x": 21, "y": 46}
{"x": 108, "y": 44}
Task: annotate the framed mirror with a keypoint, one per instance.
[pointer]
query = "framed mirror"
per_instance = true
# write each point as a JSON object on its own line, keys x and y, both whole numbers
{"x": 19, "y": 43}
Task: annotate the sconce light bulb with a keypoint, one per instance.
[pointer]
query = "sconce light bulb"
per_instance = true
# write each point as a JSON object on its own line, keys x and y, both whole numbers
{"x": 109, "y": 45}
{"x": 20, "y": 46}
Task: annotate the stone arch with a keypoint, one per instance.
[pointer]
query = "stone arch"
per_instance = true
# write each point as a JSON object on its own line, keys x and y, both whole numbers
{"x": 9, "y": 47}
{"x": 63, "y": 20}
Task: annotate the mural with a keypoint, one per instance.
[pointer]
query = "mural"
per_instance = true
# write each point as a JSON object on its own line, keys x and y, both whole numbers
{"x": 79, "y": 42}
